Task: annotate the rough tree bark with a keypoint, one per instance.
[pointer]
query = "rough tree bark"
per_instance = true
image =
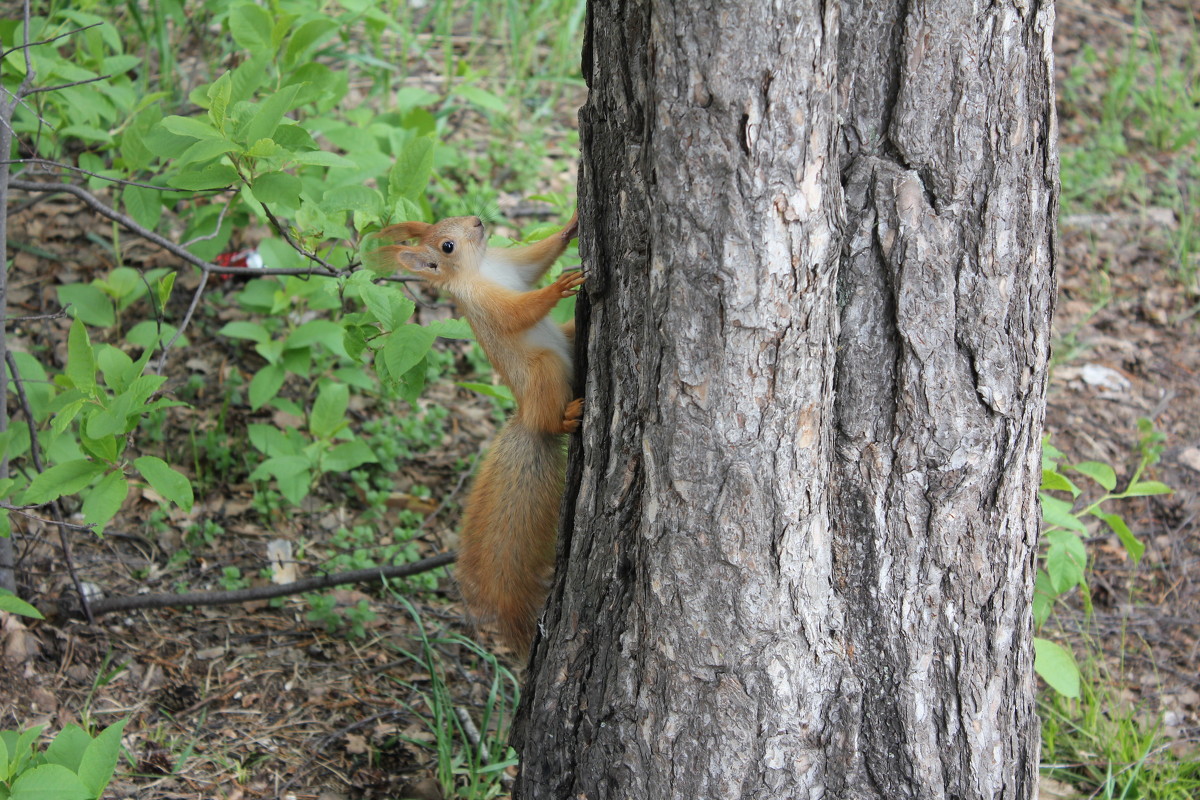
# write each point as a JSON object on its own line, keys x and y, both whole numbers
{"x": 798, "y": 540}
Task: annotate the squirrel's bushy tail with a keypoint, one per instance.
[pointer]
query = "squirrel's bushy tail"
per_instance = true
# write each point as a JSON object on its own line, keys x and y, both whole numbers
{"x": 506, "y": 550}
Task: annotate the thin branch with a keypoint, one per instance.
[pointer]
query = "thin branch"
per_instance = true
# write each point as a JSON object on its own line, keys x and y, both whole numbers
{"x": 162, "y": 360}
{"x": 94, "y": 203}
{"x": 66, "y": 85}
{"x": 59, "y": 165}
{"x": 22, "y": 510}
{"x": 220, "y": 219}
{"x": 111, "y": 604}
{"x": 34, "y": 317}
{"x": 28, "y": 45}
{"x": 299, "y": 248}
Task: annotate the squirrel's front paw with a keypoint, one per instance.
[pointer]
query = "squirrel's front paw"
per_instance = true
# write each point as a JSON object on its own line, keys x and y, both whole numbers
{"x": 572, "y": 415}
{"x": 567, "y": 284}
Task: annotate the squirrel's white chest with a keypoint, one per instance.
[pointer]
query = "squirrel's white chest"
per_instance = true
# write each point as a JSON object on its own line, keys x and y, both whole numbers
{"x": 545, "y": 334}
{"x": 503, "y": 274}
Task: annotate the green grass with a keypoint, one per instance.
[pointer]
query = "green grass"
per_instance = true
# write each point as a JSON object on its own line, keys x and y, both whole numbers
{"x": 1105, "y": 748}
{"x": 470, "y": 760}
{"x": 1130, "y": 122}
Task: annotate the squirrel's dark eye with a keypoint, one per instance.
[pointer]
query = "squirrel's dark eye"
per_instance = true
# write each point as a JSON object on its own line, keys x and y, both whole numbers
{"x": 447, "y": 247}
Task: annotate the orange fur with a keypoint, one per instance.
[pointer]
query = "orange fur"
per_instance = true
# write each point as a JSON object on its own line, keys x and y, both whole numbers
{"x": 506, "y": 550}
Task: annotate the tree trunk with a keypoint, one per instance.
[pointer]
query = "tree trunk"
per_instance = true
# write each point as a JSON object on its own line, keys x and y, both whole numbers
{"x": 800, "y": 526}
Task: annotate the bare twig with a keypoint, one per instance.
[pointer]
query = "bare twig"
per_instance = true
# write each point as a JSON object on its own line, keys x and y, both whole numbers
{"x": 94, "y": 203}
{"x": 220, "y": 219}
{"x": 45, "y": 162}
{"x": 56, "y": 87}
{"x": 28, "y": 45}
{"x": 109, "y": 605}
{"x": 162, "y": 360}
{"x": 299, "y": 248}
{"x": 35, "y": 317}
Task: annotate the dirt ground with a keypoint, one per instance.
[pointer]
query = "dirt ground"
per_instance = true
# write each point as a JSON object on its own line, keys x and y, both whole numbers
{"x": 252, "y": 700}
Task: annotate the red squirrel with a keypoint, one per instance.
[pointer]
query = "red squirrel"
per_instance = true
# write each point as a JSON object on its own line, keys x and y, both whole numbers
{"x": 506, "y": 549}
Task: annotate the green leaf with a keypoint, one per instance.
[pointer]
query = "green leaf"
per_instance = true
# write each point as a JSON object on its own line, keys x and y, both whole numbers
{"x": 246, "y": 330}
{"x": 277, "y": 189}
{"x": 1145, "y": 489}
{"x": 89, "y": 133}
{"x": 61, "y": 479}
{"x": 290, "y": 472}
{"x": 265, "y": 148}
{"x": 354, "y": 341}
{"x": 124, "y": 284}
{"x": 205, "y": 150}
{"x": 352, "y": 198}
{"x": 293, "y": 137}
{"x": 14, "y": 605}
{"x": 106, "y": 449}
{"x": 251, "y": 28}
{"x": 49, "y": 782}
{"x": 409, "y": 176}
{"x": 1066, "y": 560}
{"x": 219, "y": 95}
{"x": 1056, "y": 666}
{"x": 248, "y": 76}
{"x": 1099, "y": 472}
{"x": 190, "y": 126}
{"x": 322, "y": 158}
{"x": 1043, "y": 598}
{"x": 1055, "y": 482}
{"x": 1058, "y": 512}
{"x": 116, "y": 367}
{"x": 213, "y": 176}
{"x": 162, "y": 289}
{"x": 81, "y": 360}
{"x": 1132, "y": 544}
{"x": 324, "y": 332}
{"x": 329, "y": 410}
{"x": 144, "y": 205}
{"x": 147, "y": 334}
{"x": 412, "y": 97}
{"x": 497, "y": 392}
{"x": 88, "y": 303}
{"x": 413, "y": 382}
{"x": 265, "y": 385}
{"x": 100, "y": 759}
{"x": 482, "y": 98}
{"x": 379, "y": 302}
{"x": 452, "y": 328}
{"x": 68, "y": 411}
{"x": 166, "y": 480}
{"x": 347, "y": 456}
{"x": 406, "y": 346}
{"x": 68, "y": 747}
{"x": 271, "y": 441}
{"x": 1051, "y": 455}
{"x": 105, "y": 499}
{"x": 306, "y": 36}
{"x": 269, "y": 114}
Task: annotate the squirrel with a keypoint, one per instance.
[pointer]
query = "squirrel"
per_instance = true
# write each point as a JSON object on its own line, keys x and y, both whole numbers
{"x": 506, "y": 548}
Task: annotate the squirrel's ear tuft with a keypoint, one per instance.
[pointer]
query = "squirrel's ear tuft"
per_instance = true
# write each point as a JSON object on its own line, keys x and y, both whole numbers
{"x": 404, "y": 231}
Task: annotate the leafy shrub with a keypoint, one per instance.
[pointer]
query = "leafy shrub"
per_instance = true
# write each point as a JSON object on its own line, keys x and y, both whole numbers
{"x": 74, "y": 766}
